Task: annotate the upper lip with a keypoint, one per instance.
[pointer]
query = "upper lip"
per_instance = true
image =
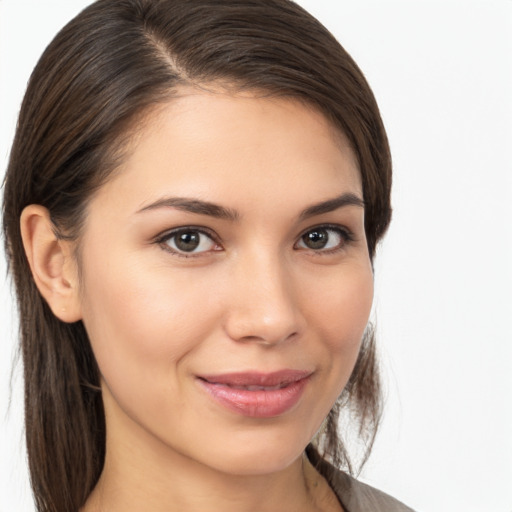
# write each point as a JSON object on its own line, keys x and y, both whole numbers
{"x": 255, "y": 378}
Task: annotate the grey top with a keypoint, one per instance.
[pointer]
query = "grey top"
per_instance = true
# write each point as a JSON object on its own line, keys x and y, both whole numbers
{"x": 358, "y": 497}
{"x": 355, "y": 496}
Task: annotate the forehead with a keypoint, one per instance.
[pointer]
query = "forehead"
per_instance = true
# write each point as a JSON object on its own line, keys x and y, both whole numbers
{"x": 204, "y": 143}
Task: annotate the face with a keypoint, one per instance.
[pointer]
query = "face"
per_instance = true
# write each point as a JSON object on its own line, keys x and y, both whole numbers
{"x": 226, "y": 282}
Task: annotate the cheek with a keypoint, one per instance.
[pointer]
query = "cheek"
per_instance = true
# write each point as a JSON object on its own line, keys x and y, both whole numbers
{"x": 142, "y": 323}
{"x": 341, "y": 311}
{"x": 343, "y": 306}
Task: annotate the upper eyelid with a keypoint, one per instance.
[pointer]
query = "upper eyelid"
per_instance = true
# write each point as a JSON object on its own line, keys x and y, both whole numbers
{"x": 327, "y": 225}
{"x": 169, "y": 233}
{"x": 210, "y": 232}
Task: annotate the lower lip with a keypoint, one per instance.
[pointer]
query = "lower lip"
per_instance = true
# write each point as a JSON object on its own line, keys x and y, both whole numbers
{"x": 257, "y": 404}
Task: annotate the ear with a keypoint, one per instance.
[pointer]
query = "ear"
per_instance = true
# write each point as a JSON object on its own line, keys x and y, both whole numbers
{"x": 52, "y": 263}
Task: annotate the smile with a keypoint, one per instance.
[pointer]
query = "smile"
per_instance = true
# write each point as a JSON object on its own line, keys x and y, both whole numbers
{"x": 257, "y": 395}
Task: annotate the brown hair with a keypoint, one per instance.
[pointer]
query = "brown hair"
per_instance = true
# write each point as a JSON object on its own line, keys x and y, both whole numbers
{"x": 104, "y": 70}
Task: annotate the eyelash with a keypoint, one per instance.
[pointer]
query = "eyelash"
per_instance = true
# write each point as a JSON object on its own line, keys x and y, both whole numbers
{"x": 163, "y": 239}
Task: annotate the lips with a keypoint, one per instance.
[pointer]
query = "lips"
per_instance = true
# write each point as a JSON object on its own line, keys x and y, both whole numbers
{"x": 254, "y": 394}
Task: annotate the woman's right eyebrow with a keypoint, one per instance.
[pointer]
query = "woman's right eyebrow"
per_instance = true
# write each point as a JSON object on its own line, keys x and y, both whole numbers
{"x": 193, "y": 206}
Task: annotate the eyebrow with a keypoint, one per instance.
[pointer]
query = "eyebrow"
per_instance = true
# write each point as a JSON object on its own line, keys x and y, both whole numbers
{"x": 194, "y": 206}
{"x": 330, "y": 205}
{"x": 200, "y": 207}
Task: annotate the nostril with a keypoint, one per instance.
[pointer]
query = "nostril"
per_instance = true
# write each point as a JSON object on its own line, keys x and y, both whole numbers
{"x": 269, "y": 339}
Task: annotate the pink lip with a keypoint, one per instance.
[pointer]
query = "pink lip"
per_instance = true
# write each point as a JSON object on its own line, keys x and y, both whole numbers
{"x": 254, "y": 394}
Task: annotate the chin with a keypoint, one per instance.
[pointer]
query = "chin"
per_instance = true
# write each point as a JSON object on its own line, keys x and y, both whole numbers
{"x": 261, "y": 453}
{"x": 262, "y": 462}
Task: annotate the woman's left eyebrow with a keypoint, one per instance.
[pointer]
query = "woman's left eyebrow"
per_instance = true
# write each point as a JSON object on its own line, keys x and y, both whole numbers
{"x": 330, "y": 205}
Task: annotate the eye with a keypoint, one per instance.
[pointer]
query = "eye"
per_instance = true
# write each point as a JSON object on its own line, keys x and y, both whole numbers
{"x": 187, "y": 241}
{"x": 324, "y": 239}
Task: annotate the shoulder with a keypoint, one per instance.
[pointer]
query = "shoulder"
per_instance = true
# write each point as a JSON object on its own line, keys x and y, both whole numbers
{"x": 356, "y": 496}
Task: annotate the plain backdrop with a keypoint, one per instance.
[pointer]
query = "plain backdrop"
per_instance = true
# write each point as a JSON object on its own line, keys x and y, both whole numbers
{"x": 442, "y": 74}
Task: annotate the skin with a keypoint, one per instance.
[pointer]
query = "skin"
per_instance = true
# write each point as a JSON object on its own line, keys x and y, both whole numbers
{"x": 253, "y": 297}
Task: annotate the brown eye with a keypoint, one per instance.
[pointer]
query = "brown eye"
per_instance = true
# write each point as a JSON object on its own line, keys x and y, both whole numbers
{"x": 316, "y": 239}
{"x": 187, "y": 242}
{"x": 323, "y": 239}
{"x": 191, "y": 241}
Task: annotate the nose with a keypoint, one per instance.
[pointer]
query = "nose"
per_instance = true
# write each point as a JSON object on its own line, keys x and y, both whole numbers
{"x": 263, "y": 306}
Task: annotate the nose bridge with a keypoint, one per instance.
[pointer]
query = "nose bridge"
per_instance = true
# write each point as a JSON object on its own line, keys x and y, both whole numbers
{"x": 263, "y": 303}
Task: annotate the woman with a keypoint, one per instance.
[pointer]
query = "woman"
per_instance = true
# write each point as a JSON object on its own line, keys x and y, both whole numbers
{"x": 193, "y": 201}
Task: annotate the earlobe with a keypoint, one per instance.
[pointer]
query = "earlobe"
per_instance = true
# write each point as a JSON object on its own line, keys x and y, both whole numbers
{"x": 51, "y": 262}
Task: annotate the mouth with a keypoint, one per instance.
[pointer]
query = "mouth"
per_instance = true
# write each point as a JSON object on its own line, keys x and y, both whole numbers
{"x": 254, "y": 394}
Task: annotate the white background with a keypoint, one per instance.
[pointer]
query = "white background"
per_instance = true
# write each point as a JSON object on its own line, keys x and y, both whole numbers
{"x": 442, "y": 73}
